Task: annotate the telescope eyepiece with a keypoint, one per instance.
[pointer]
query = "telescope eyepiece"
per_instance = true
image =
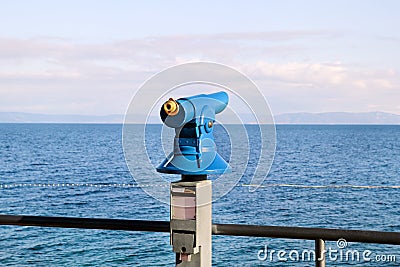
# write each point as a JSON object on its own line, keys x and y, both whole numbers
{"x": 171, "y": 107}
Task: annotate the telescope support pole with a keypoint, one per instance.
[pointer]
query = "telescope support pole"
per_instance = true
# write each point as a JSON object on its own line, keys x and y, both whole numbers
{"x": 191, "y": 225}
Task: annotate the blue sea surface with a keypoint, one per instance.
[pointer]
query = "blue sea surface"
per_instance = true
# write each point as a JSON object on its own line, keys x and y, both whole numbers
{"x": 322, "y": 176}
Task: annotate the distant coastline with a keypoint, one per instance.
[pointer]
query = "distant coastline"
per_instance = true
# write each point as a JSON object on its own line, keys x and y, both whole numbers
{"x": 303, "y": 118}
{"x": 21, "y": 117}
{"x": 377, "y": 117}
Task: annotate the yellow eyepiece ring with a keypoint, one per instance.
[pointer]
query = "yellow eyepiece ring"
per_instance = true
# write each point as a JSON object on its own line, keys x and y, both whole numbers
{"x": 171, "y": 107}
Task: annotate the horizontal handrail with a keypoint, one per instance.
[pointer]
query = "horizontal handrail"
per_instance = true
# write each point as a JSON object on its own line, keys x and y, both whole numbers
{"x": 308, "y": 233}
{"x": 85, "y": 223}
{"x": 305, "y": 233}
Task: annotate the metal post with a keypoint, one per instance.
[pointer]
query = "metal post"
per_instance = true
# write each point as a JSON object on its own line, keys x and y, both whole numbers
{"x": 191, "y": 226}
{"x": 320, "y": 257}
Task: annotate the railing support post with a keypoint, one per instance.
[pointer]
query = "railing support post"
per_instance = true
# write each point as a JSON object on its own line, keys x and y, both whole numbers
{"x": 320, "y": 259}
{"x": 191, "y": 224}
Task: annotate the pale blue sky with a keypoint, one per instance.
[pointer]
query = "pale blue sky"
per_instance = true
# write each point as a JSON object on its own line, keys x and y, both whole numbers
{"x": 93, "y": 20}
{"x": 89, "y": 57}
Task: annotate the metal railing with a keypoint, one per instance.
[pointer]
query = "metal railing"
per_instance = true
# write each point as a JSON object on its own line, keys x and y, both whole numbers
{"x": 319, "y": 235}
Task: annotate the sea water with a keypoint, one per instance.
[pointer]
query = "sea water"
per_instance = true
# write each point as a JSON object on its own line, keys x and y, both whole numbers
{"x": 322, "y": 176}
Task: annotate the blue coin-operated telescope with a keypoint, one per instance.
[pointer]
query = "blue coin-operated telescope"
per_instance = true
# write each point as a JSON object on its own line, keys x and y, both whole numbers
{"x": 193, "y": 119}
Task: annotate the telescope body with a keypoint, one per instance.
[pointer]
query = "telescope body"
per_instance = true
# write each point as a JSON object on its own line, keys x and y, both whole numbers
{"x": 193, "y": 119}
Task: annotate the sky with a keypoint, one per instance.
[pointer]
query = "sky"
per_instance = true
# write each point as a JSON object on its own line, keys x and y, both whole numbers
{"x": 90, "y": 57}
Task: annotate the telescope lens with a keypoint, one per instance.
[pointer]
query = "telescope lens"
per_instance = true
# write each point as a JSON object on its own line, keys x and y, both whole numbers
{"x": 171, "y": 107}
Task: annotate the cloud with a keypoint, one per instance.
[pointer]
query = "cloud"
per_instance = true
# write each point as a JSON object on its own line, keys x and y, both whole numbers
{"x": 216, "y": 45}
{"x": 91, "y": 78}
{"x": 321, "y": 75}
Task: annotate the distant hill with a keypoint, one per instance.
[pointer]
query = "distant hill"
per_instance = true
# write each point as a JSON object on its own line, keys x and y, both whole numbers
{"x": 20, "y": 117}
{"x": 338, "y": 118}
{"x": 288, "y": 118}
